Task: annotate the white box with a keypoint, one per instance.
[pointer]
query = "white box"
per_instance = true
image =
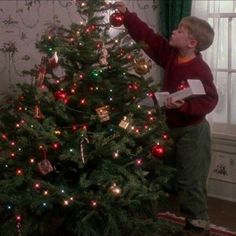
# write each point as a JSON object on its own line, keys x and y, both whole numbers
{"x": 195, "y": 88}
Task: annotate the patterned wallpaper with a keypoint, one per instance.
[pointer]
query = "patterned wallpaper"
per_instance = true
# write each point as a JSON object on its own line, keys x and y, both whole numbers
{"x": 22, "y": 24}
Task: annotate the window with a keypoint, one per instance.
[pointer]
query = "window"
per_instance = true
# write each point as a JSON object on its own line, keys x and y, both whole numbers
{"x": 221, "y": 56}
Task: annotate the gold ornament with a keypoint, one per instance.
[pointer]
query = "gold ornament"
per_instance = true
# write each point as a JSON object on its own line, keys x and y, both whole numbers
{"x": 115, "y": 190}
{"x": 142, "y": 66}
{"x": 57, "y": 132}
{"x": 125, "y": 123}
{"x": 103, "y": 113}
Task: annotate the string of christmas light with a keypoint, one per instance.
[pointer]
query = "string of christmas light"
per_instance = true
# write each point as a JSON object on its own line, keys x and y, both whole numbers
{"x": 77, "y": 140}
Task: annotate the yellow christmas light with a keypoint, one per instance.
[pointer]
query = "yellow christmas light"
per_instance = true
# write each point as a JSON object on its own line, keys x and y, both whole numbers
{"x": 66, "y": 203}
{"x": 19, "y": 172}
{"x": 57, "y": 132}
{"x": 116, "y": 154}
{"x": 115, "y": 190}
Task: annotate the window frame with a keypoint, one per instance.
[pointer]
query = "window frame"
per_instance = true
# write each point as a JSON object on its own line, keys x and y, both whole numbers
{"x": 226, "y": 130}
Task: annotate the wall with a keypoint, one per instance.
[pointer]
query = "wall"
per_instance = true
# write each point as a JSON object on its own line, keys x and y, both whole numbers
{"x": 21, "y": 27}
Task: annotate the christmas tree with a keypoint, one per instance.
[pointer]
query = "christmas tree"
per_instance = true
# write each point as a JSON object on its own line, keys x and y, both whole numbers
{"x": 80, "y": 153}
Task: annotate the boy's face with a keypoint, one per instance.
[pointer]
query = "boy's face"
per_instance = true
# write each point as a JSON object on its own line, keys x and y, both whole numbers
{"x": 181, "y": 39}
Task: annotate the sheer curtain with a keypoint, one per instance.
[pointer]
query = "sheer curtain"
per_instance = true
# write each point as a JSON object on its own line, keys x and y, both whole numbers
{"x": 210, "y": 11}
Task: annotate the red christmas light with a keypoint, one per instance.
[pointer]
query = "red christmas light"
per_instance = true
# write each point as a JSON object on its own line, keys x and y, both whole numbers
{"x": 84, "y": 127}
{"x": 90, "y": 28}
{"x": 139, "y": 162}
{"x": 55, "y": 145}
{"x": 37, "y": 185}
{"x": 130, "y": 57}
{"x": 12, "y": 154}
{"x": 133, "y": 86}
{"x": 21, "y": 98}
{"x": 81, "y": 76}
{"x": 12, "y": 143}
{"x": 82, "y": 101}
{"x": 93, "y": 203}
{"x": 18, "y": 218}
{"x": 4, "y": 137}
{"x": 19, "y": 172}
{"x": 165, "y": 136}
{"x": 74, "y": 128}
{"x": 99, "y": 45}
{"x": 61, "y": 96}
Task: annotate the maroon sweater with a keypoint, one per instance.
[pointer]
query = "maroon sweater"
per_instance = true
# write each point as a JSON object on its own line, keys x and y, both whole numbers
{"x": 194, "y": 109}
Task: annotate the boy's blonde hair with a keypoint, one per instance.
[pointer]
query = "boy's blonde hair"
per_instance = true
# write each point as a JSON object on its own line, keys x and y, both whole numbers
{"x": 200, "y": 30}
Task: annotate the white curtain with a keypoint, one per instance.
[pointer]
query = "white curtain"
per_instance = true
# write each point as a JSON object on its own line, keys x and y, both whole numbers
{"x": 205, "y": 9}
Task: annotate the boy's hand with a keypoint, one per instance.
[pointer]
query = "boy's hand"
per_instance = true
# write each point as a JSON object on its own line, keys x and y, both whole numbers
{"x": 120, "y": 6}
{"x": 173, "y": 105}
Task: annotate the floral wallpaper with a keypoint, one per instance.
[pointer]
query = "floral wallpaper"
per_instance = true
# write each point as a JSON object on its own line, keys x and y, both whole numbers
{"x": 22, "y": 22}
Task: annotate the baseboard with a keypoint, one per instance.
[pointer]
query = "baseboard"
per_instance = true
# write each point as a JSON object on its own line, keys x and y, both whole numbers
{"x": 221, "y": 197}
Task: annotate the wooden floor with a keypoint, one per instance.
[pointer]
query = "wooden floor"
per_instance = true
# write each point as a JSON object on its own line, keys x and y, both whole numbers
{"x": 222, "y": 213}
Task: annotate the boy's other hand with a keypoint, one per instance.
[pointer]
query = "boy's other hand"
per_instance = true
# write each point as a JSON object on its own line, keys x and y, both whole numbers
{"x": 169, "y": 104}
{"x": 120, "y": 6}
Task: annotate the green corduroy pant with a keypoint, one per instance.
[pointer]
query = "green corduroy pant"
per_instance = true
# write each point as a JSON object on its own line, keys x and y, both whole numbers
{"x": 192, "y": 156}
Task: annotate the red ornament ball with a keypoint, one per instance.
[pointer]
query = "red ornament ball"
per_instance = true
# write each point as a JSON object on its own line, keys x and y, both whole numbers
{"x": 117, "y": 19}
{"x": 158, "y": 151}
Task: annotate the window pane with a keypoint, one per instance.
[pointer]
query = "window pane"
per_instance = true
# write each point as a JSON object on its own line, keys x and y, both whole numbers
{"x": 221, "y": 110}
{"x": 217, "y": 54}
{"x": 226, "y": 6}
{"x": 214, "y": 6}
{"x": 223, "y": 44}
{"x": 233, "y": 99}
{"x": 221, "y": 6}
{"x": 212, "y": 52}
{"x": 233, "y": 40}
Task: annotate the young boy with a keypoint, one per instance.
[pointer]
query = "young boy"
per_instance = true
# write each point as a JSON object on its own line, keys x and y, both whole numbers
{"x": 181, "y": 60}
